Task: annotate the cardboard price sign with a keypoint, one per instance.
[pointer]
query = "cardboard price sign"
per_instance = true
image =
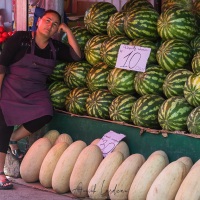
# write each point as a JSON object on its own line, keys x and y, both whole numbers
{"x": 132, "y": 57}
{"x": 109, "y": 141}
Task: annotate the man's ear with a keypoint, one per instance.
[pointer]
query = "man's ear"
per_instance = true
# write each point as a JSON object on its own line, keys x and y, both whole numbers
{"x": 38, "y": 21}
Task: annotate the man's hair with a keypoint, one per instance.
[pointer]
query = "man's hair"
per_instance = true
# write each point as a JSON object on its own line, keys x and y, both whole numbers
{"x": 51, "y": 11}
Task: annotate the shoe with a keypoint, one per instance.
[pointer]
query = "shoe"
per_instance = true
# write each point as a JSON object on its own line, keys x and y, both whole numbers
{"x": 16, "y": 153}
{"x": 5, "y": 184}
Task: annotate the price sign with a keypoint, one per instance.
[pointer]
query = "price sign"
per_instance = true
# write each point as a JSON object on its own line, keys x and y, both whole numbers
{"x": 109, "y": 141}
{"x": 132, "y": 57}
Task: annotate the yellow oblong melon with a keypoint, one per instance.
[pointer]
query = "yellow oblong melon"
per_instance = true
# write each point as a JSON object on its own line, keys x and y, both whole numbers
{"x": 167, "y": 183}
{"x": 99, "y": 184}
{"x": 84, "y": 169}
{"x": 64, "y": 137}
{"x": 49, "y": 163}
{"x": 52, "y": 135}
{"x": 123, "y": 148}
{"x": 121, "y": 181}
{"x": 32, "y": 161}
{"x": 65, "y": 165}
{"x": 190, "y": 187}
{"x": 146, "y": 175}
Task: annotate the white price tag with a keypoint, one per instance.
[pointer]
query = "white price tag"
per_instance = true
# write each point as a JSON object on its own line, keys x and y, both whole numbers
{"x": 109, "y": 141}
{"x": 132, "y": 57}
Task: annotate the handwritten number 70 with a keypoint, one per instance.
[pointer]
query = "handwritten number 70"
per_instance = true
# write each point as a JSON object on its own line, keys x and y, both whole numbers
{"x": 130, "y": 59}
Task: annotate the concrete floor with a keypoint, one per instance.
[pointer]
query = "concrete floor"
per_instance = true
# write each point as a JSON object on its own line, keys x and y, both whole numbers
{"x": 25, "y": 191}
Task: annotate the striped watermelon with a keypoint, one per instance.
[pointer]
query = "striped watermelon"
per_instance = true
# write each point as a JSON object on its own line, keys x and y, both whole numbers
{"x": 192, "y": 89}
{"x": 110, "y": 47}
{"x": 150, "y": 81}
{"x": 173, "y": 113}
{"x": 177, "y": 23}
{"x": 195, "y": 43}
{"x": 92, "y": 49}
{"x": 58, "y": 92}
{"x": 193, "y": 121}
{"x": 121, "y": 81}
{"x": 75, "y": 74}
{"x": 145, "y": 111}
{"x": 141, "y": 23}
{"x": 98, "y": 103}
{"x": 130, "y": 5}
{"x": 97, "y": 16}
{"x": 115, "y": 24}
{"x": 120, "y": 108}
{"x": 174, "y": 54}
{"x": 149, "y": 44}
{"x": 196, "y": 62}
{"x": 97, "y": 77}
{"x": 58, "y": 72}
{"x": 81, "y": 34}
{"x": 76, "y": 101}
{"x": 186, "y": 4}
{"x": 174, "y": 82}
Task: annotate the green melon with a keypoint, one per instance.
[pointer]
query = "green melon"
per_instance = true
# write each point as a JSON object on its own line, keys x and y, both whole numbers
{"x": 196, "y": 62}
{"x": 97, "y": 16}
{"x": 145, "y": 111}
{"x": 58, "y": 91}
{"x": 120, "y": 108}
{"x": 173, "y": 113}
{"x": 193, "y": 121}
{"x": 141, "y": 23}
{"x": 192, "y": 89}
{"x": 92, "y": 49}
{"x": 75, "y": 74}
{"x": 150, "y": 81}
{"x": 174, "y": 82}
{"x": 177, "y": 23}
{"x": 97, "y": 77}
{"x": 98, "y": 103}
{"x": 174, "y": 54}
{"x": 76, "y": 101}
{"x": 110, "y": 47}
{"x": 121, "y": 81}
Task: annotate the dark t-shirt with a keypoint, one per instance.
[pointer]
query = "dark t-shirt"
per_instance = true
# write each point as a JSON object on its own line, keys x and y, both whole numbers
{"x": 20, "y": 44}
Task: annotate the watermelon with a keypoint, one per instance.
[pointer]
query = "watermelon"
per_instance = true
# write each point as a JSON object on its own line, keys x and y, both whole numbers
{"x": 186, "y": 4}
{"x": 58, "y": 91}
{"x": 120, "y": 108}
{"x": 150, "y": 81}
{"x": 173, "y": 113}
{"x": 144, "y": 111}
{"x": 130, "y": 5}
{"x": 196, "y": 10}
{"x": 81, "y": 34}
{"x": 148, "y": 44}
{"x": 115, "y": 24}
{"x": 58, "y": 72}
{"x": 193, "y": 121}
{"x": 92, "y": 49}
{"x": 174, "y": 82}
{"x": 97, "y": 77}
{"x": 177, "y": 23}
{"x": 195, "y": 43}
{"x": 191, "y": 89}
{"x": 97, "y": 16}
{"x": 141, "y": 23}
{"x": 121, "y": 81}
{"x": 98, "y": 103}
{"x": 110, "y": 47}
{"x": 196, "y": 62}
{"x": 76, "y": 101}
{"x": 174, "y": 54}
{"x": 75, "y": 74}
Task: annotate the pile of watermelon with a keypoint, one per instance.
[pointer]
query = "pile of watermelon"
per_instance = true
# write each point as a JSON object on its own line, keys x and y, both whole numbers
{"x": 166, "y": 96}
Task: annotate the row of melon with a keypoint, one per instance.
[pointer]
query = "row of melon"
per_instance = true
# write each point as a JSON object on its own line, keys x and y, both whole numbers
{"x": 75, "y": 167}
